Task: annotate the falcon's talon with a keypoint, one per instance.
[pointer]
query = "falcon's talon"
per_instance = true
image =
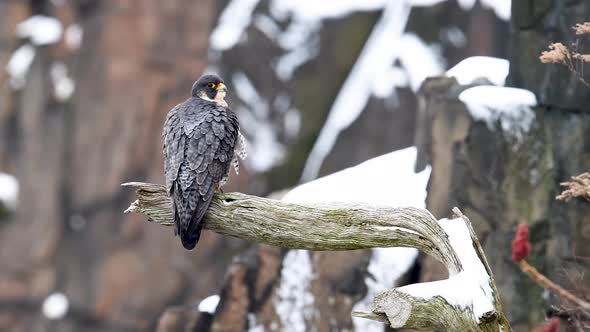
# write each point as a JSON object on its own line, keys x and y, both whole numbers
{"x": 200, "y": 138}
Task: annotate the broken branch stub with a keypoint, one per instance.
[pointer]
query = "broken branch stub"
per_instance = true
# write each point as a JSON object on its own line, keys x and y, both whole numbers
{"x": 350, "y": 226}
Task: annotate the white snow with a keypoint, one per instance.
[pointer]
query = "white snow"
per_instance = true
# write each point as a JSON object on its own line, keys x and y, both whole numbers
{"x": 8, "y": 190}
{"x": 502, "y": 8}
{"x": 267, "y": 25}
{"x": 290, "y": 61}
{"x": 209, "y": 304}
{"x": 252, "y": 326}
{"x": 18, "y": 65}
{"x": 510, "y": 106}
{"x": 299, "y": 40}
{"x": 63, "y": 85}
{"x": 292, "y": 123}
{"x": 294, "y": 303}
{"x": 73, "y": 36}
{"x": 387, "y": 80}
{"x": 470, "y": 288}
{"x": 424, "y": 3}
{"x": 315, "y": 10}
{"x": 233, "y": 21}
{"x": 40, "y": 29}
{"x": 418, "y": 59}
{"x": 245, "y": 89}
{"x": 55, "y": 306}
{"x": 455, "y": 36}
{"x": 398, "y": 186}
{"x": 264, "y": 147}
{"x": 318, "y": 10}
{"x": 472, "y": 68}
{"x": 386, "y": 43}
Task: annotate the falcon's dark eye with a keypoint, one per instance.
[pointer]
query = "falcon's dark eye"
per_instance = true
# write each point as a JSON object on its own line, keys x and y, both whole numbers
{"x": 210, "y": 85}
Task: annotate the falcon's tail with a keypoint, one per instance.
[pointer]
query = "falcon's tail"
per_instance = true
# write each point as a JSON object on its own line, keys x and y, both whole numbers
{"x": 188, "y": 219}
{"x": 189, "y": 239}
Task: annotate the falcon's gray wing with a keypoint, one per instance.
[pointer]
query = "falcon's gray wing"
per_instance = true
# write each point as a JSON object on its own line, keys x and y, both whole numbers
{"x": 199, "y": 142}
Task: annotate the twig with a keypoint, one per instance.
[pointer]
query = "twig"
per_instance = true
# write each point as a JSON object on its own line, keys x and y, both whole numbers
{"x": 539, "y": 278}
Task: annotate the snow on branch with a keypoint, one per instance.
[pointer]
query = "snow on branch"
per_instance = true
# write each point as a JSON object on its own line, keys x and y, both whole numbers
{"x": 467, "y": 301}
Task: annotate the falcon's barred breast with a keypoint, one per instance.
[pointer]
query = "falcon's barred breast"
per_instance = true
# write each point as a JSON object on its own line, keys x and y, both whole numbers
{"x": 200, "y": 136}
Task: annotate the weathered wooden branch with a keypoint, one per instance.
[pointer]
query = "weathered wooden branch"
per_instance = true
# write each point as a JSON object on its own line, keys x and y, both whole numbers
{"x": 349, "y": 227}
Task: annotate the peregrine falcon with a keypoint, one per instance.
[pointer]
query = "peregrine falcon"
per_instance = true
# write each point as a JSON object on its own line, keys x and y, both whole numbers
{"x": 201, "y": 141}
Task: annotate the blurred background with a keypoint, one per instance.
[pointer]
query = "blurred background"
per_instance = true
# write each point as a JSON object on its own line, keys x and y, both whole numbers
{"x": 319, "y": 86}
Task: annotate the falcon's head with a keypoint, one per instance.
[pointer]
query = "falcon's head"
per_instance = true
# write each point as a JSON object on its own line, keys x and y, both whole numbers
{"x": 210, "y": 87}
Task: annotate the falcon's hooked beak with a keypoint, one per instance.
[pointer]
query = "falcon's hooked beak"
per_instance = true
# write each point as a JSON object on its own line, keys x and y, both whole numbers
{"x": 221, "y": 88}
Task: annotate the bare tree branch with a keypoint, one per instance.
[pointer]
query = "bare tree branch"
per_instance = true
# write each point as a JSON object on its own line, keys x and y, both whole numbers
{"x": 349, "y": 227}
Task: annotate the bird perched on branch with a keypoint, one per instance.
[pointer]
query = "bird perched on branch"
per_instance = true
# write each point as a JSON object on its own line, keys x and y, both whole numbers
{"x": 201, "y": 141}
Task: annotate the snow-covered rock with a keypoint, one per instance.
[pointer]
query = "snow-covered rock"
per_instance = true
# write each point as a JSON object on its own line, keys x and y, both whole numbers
{"x": 8, "y": 190}
{"x": 510, "y": 106}
{"x": 19, "y": 64}
{"x": 40, "y": 29}
{"x": 55, "y": 306}
{"x": 475, "y": 67}
{"x": 209, "y": 304}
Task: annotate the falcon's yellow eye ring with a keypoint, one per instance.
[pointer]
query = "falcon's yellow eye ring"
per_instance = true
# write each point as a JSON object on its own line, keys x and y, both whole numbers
{"x": 210, "y": 85}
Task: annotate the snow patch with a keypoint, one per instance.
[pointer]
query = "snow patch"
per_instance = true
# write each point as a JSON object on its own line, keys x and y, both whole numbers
{"x": 73, "y": 36}
{"x": 63, "y": 85}
{"x": 424, "y": 3}
{"x": 455, "y": 36}
{"x": 292, "y": 123}
{"x": 378, "y": 54}
{"x": 248, "y": 94}
{"x": 387, "y": 80}
{"x": 386, "y": 43}
{"x": 19, "y": 64}
{"x": 392, "y": 171}
{"x": 267, "y": 26}
{"x": 317, "y": 10}
{"x": 300, "y": 40}
{"x": 289, "y": 62}
{"x": 472, "y": 68}
{"x": 252, "y": 326}
{"x": 398, "y": 186}
{"x": 294, "y": 304}
{"x": 233, "y": 21}
{"x": 265, "y": 149}
{"x": 209, "y": 304}
{"x": 510, "y": 106}
{"x": 55, "y": 306}
{"x": 8, "y": 190}
{"x": 40, "y": 29}
{"x": 502, "y": 8}
{"x": 470, "y": 288}
{"x": 418, "y": 59}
